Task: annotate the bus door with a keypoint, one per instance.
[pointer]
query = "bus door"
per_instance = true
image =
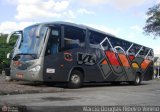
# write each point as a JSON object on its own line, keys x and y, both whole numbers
{"x": 53, "y": 57}
{"x": 53, "y": 42}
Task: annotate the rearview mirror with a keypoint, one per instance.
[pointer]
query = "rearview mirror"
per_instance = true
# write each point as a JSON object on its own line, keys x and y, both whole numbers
{"x": 13, "y": 33}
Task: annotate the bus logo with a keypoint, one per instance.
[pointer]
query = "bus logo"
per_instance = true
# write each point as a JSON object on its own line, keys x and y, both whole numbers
{"x": 68, "y": 56}
{"x": 86, "y": 59}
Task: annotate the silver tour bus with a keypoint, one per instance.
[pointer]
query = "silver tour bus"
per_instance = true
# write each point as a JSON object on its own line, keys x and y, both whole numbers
{"x": 72, "y": 53}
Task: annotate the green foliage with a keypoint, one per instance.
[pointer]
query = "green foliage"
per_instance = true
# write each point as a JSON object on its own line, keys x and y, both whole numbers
{"x": 4, "y": 49}
{"x": 153, "y": 21}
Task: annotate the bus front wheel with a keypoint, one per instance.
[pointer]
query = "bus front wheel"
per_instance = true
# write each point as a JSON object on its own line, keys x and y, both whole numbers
{"x": 76, "y": 79}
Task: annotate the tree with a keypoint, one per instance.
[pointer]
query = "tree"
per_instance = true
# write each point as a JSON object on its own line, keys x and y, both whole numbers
{"x": 4, "y": 49}
{"x": 152, "y": 25}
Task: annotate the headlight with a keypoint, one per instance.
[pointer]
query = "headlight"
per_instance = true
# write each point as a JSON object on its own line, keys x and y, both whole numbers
{"x": 35, "y": 69}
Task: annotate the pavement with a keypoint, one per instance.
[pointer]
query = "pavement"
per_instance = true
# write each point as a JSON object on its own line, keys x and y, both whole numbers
{"x": 89, "y": 98}
{"x": 22, "y": 87}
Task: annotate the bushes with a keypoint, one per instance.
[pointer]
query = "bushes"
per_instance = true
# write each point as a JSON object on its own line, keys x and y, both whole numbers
{"x": 4, "y": 49}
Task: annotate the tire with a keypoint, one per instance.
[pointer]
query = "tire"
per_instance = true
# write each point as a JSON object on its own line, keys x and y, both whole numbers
{"x": 137, "y": 80}
{"x": 75, "y": 80}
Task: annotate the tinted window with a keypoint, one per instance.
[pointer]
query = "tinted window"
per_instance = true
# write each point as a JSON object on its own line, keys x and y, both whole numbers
{"x": 53, "y": 41}
{"x": 145, "y": 51}
{"x": 73, "y": 37}
{"x": 134, "y": 49}
{"x": 151, "y": 55}
{"x": 126, "y": 45}
{"x": 142, "y": 52}
{"x": 95, "y": 39}
{"x": 120, "y": 45}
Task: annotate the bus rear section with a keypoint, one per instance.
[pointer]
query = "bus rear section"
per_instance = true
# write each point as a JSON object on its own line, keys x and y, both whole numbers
{"x": 66, "y": 52}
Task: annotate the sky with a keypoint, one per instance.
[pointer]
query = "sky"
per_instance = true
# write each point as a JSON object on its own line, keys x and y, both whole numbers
{"x": 122, "y": 18}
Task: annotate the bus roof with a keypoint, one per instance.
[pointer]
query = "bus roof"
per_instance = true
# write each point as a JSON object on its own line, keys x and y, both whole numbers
{"x": 87, "y": 27}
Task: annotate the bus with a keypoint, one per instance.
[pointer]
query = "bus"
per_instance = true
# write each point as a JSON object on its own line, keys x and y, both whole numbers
{"x": 77, "y": 54}
{"x": 15, "y": 37}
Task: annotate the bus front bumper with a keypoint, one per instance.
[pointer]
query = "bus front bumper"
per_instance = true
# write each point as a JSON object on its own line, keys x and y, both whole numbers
{"x": 26, "y": 75}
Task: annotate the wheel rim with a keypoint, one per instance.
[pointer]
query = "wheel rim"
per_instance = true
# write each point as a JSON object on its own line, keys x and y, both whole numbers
{"x": 137, "y": 79}
{"x": 75, "y": 79}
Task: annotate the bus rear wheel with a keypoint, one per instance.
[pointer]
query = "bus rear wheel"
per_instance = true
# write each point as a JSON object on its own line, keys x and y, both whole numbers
{"x": 76, "y": 79}
{"x": 137, "y": 80}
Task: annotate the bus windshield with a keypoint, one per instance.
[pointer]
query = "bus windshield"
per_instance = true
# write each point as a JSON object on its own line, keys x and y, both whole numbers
{"x": 30, "y": 44}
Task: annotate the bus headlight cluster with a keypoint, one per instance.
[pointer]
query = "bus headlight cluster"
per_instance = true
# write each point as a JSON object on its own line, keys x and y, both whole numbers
{"x": 35, "y": 69}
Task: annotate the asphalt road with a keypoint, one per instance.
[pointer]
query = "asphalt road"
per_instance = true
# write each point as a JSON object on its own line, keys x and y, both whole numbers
{"x": 147, "y": 94}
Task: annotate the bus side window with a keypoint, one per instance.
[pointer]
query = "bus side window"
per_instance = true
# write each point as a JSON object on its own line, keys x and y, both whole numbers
{"x": 142, "y": 53}
{"x": 151, "y": 55}
{"x": 73, "y": 38}
{"x": 95, "y": 39}
{"x": 132, "y": 51}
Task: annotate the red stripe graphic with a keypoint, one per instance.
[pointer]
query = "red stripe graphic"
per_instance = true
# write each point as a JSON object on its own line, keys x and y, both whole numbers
{"x": 104, "y": 62}
{"x": 124, "y": 60}
{"x": 131, "y": 57}
{"x": 145, "y": 64}
{"x": 112, "y": 58}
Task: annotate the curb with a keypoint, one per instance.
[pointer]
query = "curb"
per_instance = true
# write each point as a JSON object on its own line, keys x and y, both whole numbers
{"x": 31, "y": 91}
